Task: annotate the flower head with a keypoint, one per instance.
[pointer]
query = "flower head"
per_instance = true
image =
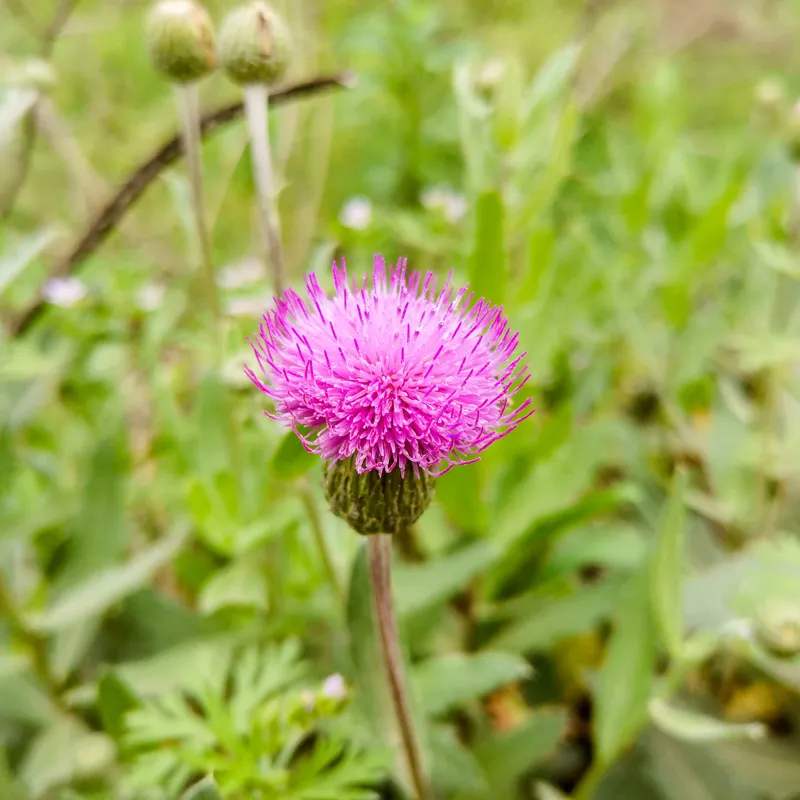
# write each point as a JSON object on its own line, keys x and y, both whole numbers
{"x": 391, "y": 375}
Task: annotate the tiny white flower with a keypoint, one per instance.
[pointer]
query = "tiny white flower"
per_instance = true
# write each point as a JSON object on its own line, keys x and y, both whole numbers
{"x": 64, "y": 292}
{"x": 150, "y": 297}
{"x": 241, "y": 273}
{"x": 334, "y": 687}
{"x": 356, "y": 213}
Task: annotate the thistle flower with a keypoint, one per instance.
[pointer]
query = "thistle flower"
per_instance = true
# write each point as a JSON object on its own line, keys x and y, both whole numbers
{"x": 392, "y": 375}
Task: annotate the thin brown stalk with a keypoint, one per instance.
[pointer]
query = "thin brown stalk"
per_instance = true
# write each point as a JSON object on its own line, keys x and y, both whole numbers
{"x": 145, "y": 174}
{"x": 379, "y": 551}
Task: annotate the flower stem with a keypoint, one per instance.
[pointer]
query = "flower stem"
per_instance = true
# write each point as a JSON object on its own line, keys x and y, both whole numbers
{"x": 256, "y": 106}
{"x": 189, "y": 110}
{"x": 322, "y": 545}
{"x": 379, "y": 551}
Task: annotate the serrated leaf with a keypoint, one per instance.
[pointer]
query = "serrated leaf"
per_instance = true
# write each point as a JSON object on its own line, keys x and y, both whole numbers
{"x": 623, "y": 688}
{"x": 690, "y": 726}
{"x": 667, "y": 568}
{"x": 449, "y": 681}
{"x": 96, "y": 594}
{"x": 291, "y": 459}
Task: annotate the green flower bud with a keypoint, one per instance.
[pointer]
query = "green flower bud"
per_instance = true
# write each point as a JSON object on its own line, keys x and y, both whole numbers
{"x": 254, "y": 45}
{"x": 180, "y": 38}
{"x": 777, "y": 628}
{"x": 371, "y": 503}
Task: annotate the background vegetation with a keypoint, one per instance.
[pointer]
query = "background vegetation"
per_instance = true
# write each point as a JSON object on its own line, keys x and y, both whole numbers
{"x": 606, "y": 606}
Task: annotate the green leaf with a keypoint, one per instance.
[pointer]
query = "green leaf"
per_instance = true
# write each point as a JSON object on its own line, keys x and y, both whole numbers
{"x": 693, "y": 772}
{"x": 63, "y": 753}
{"x": 242, "y": 583}
{"x": 8, "y": 787}
{"x": 23, "y": 700}
{"x": 100, "y": 533}
{"x": 205, "y": 789}
{"x": 23, "y": 253}
{"x": 623, "y": 688}
{"x": 539, "y": 621}
{"x": 423, "y": 586}
{"x": 460, "y": 493}
{"x": 613, "y": 545}
{"x": 557, "y": 167}
{"x": 667, "y": 568}
{"x": 449, "y": 681}
{"x": 114, "y": 700}
{"x": 552, "y": 79}
{"x": 96, "y": 594}
{"x": 690, "y": 726}
{"x": 455, "y": 768}
{"x": 546, "y": 792}
{"x": 489, "y": 263}
{"x": 291, "y": 459}
{"x": 505, "y": 757}
{"x": 372, "y": 698}
{"x": 211, "y": 453}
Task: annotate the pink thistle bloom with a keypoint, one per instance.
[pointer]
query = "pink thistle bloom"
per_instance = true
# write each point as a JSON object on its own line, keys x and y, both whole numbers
{"x": 393, "y": 374}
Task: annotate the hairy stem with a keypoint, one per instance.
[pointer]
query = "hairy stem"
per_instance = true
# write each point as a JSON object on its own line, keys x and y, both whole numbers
{"x": 379, "y": 551}
{"x": 256, "y": 106}
{"x": 189, "y": 111}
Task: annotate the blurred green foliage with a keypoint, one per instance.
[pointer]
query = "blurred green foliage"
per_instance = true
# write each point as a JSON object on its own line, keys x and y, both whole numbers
{"x": 606, "y": 606}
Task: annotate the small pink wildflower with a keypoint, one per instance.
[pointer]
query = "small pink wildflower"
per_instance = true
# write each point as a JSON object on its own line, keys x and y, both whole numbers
{"x": 392, "y": 374}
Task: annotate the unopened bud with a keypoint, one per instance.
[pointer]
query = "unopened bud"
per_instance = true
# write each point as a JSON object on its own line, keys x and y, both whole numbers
{"x": 180, "y": 37}
{"x": 377, "y": 503}
{"x": 777, "y": 628}
{"x": 254, "y": 45}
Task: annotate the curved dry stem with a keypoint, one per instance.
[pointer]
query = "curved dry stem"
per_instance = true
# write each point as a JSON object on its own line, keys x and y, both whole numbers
{"x": 143, "y": 176}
